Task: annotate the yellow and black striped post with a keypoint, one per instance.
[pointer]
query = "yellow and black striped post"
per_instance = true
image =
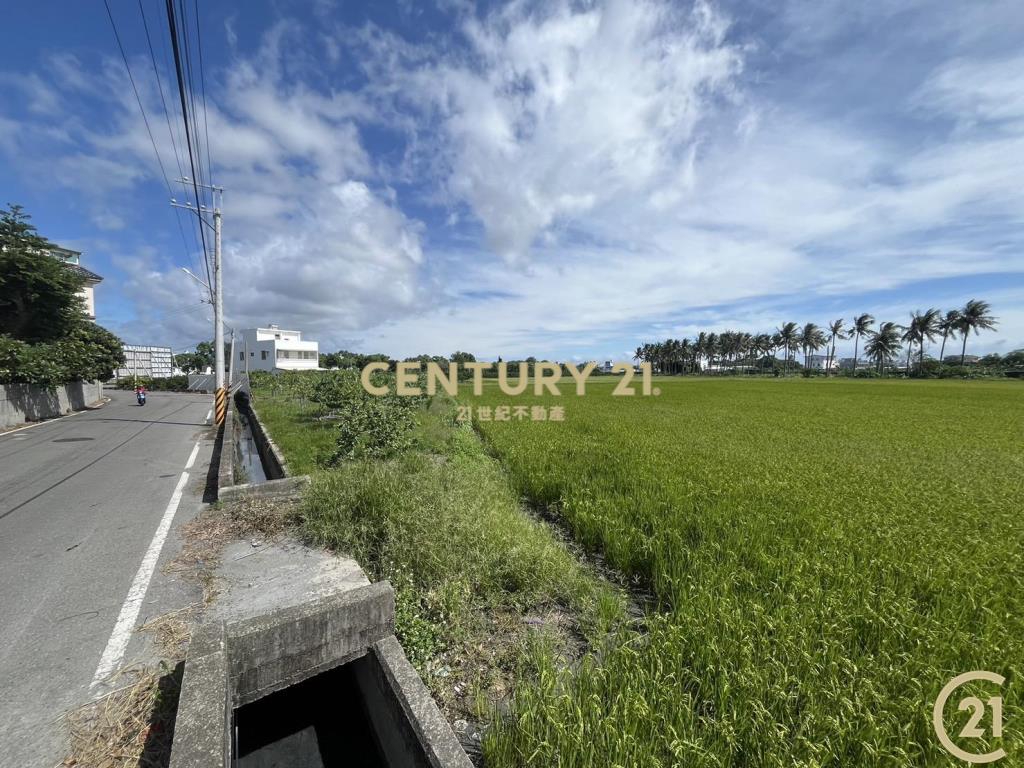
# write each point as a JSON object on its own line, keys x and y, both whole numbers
{"x": 221, "y": 406}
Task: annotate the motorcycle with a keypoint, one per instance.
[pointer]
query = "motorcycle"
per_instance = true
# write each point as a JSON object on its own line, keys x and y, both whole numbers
{"x": 141, "y": 397}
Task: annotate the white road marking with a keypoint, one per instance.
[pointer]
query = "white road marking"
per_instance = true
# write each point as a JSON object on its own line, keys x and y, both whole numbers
{"x": 192, "y": 456}
{"x": 125, "y": 625}
{"x": 209, "y": 415}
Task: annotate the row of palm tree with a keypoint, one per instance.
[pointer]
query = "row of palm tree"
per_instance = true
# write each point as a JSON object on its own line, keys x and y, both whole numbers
{"x": 882, "y": 344}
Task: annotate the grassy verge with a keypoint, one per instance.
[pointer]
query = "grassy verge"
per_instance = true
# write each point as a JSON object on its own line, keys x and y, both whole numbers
{"x": 298, "y": 431}
{"x": 478, "y": 582}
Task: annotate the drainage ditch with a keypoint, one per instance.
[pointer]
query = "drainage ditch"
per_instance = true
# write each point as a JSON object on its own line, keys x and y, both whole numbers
{"x": 319, "y": 723}
{"x": 250, "y": 462}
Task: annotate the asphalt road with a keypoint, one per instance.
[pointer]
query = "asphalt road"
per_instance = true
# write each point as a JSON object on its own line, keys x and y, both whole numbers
{"x": 89, "y": 509}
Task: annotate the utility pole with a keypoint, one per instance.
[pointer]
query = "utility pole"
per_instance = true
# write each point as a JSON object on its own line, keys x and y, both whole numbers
{"x": 217, "y": 289}
{"x": 218, "y": 319}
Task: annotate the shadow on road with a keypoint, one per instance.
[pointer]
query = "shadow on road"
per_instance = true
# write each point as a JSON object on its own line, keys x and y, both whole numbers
{"x": 171, "y": 423}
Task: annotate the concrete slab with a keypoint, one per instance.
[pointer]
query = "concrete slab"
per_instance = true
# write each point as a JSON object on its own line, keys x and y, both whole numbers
{"x": 257, "y": 580}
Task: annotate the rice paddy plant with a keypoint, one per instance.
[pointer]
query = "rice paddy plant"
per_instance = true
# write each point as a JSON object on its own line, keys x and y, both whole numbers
{"x": 825, "y": 555}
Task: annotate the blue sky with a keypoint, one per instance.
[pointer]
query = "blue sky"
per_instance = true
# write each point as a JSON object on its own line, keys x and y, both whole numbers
{"x": 561, "y": 180}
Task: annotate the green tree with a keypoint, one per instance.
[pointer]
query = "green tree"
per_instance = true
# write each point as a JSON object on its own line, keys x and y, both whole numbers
{"x": 811, "y": 339}
{"x": 861, "y": 326}
{"x": 789, "y": 335}
{"x": 205, "y": 356}
{"x": 975, "y": 316}
{"x": 923, "y": 326}
{"x": 39, "y": 295}
{"x": 1014, "y": 359}
{"x": 948, "y": 326}
{"x": 884, "y": 344}
{"x": 189, "y": 362}
{"x": 836, "y": 331}
{"x": 92, "y": 353}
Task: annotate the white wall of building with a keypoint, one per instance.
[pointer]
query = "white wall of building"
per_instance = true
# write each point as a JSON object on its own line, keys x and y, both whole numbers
{"x": 90, "y": 300}
{"x": 150, "y": 362}
{"x": 820, "y": 362}
{"x": 270, "y": 348}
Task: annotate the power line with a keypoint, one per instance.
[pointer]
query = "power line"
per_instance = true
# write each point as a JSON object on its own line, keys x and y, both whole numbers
{"x": 170, "y": 132}
{"x": 184, "y": 110}
{"x": 186, "y": 27}
{"x": 160, "y": 88}
{"x": 145, "y": 119}
{"x": 131, "y": 79}
{"x": 186, "y": 33}
{"x": 202, "y": 82}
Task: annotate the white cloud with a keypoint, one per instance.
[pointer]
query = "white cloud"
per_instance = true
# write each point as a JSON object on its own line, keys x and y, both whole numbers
{"x": 977, "y": 91}
{"x": 553, "y": 114}
{"x": 630, "y": 165}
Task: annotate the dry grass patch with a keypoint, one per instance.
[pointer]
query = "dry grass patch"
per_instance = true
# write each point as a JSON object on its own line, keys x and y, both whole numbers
{"x": 131, "y": 726}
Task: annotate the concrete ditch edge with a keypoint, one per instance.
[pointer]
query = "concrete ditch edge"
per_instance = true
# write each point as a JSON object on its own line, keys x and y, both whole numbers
{"x": 235, "y": 663}
{"x": 280, "y": 485}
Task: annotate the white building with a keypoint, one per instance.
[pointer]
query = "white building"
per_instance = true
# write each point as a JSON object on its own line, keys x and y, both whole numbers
{"x": 73, "y": 260}
{"x": 821, "y": 362}
{"x": 273, "y": 348}
{"x": 148, "y": 362}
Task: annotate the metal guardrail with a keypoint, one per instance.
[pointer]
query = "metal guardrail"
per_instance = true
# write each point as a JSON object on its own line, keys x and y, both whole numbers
{"x": 201, "y": 382}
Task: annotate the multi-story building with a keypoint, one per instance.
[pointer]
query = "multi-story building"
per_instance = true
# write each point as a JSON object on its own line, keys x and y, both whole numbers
{"x": 273, "y": 348}
{"x": 73, "y": 259}
{"x": 147, "y": 362}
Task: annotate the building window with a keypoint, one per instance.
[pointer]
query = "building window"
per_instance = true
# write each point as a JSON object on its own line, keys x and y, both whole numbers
{"x": 241, "y": 355}
{"x": 263, "y": 355}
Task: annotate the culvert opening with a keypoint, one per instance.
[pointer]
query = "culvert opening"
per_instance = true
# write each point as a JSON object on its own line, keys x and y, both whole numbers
{"x": 335, "y": 718}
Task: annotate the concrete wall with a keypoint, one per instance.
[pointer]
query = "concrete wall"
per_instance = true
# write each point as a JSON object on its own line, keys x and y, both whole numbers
{"x": 410, "y": 729}
{"x": 231, "y": 664}
{"x": 25, "y": 402}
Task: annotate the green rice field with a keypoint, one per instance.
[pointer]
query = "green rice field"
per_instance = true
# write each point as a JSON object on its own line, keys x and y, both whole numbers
{"x": 823, "y": 555}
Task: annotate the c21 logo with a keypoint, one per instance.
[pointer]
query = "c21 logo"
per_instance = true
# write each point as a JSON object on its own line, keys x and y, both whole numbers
{"x": 973, "y": 729}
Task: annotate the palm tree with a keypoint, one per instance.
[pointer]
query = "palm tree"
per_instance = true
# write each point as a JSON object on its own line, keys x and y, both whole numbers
{"x": 948, "y": 326}
{"x": 686, "y": 350}
{"x": 884, "y": 344}
{"x": 762, "y": 346}
{"x": 923, "y": 326}
{"x": 974, "y": 317}
{"x": 712, "y": 348}
{"x": 788, "y": 335}
{"x": 835, "y": 329}
{"x": 861, "y": 326}
{"x": 700, "y": 349}
{"x": 811, "y": 339}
